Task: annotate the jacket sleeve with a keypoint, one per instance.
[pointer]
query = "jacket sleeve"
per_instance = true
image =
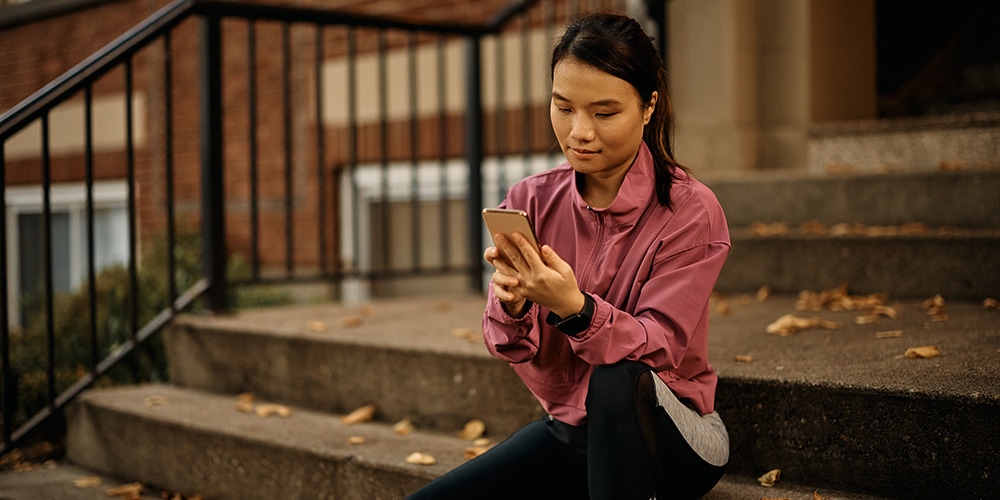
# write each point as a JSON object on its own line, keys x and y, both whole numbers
{"x": 511, "y": 339}
{"x": 668, "y": 318}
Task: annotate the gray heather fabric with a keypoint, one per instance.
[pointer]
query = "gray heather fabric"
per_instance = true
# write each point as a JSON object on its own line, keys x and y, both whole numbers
{"x": 706, "y": 434}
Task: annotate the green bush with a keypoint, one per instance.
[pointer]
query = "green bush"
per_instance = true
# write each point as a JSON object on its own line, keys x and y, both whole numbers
{"x": 74, "y": 340}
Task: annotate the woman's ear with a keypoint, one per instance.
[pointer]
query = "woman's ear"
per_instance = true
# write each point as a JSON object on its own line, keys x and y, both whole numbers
{"x": 647, "y": 113}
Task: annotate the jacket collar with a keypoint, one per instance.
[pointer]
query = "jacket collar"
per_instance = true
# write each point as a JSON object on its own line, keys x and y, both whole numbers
{"x": 636, "y": 192}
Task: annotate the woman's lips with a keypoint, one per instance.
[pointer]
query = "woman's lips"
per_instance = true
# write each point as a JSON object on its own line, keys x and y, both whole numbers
{"x": 583, "y": 154}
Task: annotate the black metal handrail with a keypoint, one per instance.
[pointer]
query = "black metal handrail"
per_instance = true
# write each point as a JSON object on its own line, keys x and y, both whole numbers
{"x": 212, "y": 288}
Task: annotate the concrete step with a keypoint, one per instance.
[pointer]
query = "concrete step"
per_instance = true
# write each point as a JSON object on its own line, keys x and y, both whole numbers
{"x": 192, "y": 442}
{"x": 417, "y": 359}
{"x": 839, "y": 409}
{"x": 960, "y": 264}
{"x": 965, "y": 199}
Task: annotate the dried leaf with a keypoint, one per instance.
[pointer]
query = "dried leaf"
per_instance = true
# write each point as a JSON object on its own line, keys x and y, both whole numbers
{"x": 87, "y": 482}
{"x": 353, "y": 440}
{"x": 789, "y": 324}
{"x": 763, "y": 293}
{"x": 465, "y": 334}
{"x": 363, "y": 414}
{"x": 926, "y": 351}
{"x": 473, "y": 429}
{"x": 351, "y": 321}
{"x": 403, "y": 427}
{"x": 418, "y": 458}
{"x": 155, "y": 400}
{"x": 474, "y": 451}
{"x": 772, "y": 229}
{"x": 723, "y": 308}
{"x": 266, "y": 410}
{"x": 366, "y": 311}
{"x": 867, "y": 319}
{"x": 990, "y": 303}
{"x": 743, "y": 300}
{"x": 482, "y": 442}
{"x": 127, "y": 491}
{"x": 244, "y": 402}
{"x": 742, "y": 358}
{"x": 770, "y": 478}
{"x": 814, "y": 227}
{"x": 816, "y": 496}
{"x": 889, "y": 334}
{"x": 316, "y": 326}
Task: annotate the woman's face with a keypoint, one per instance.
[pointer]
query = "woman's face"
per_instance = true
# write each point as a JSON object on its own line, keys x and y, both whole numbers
{"x": 598, "y": 118}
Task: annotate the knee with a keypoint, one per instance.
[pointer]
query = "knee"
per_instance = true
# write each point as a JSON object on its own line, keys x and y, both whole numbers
{"x": 615, "y": 385}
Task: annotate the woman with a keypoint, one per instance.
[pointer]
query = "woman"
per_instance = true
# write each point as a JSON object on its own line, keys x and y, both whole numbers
{"x": 607, "y": 325}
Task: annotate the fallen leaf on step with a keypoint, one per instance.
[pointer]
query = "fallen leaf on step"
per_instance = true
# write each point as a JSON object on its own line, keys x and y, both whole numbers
{"x": 366, "y": 311}
{"x": 763, "y": 293}
{"x": 87, "y": 482}
{"x": 130, "y": 491}
{"x": 403, "y": 427}
{"x": 244, "y": 402}
{"x": 156, "y": 400}
{"x": 363, "y": 414}
{"x": 465, "y": 334}
{"x": 814, "y": 227}
{"x": 770, "y": 478}
{"x": 772, "y": 229}
{"x": 474, "y": 451}
{"x": 889, "y": 334}
{"x": 356, "y": 440}
{"x": 935, "y": 308}
{"x": 316, "y": 326}
{"x": 482, "y": 442}
{"x": 789, "y": 324}
{"x": 351, "y": 321}
{"x": 927, "y": 351}
{"x": 816, "y": 496}
{"x": 473, "y": 430}
{"x": 742, "y": 358}
{"x": 418, "y": 458}
{"x": 990, "y": 303}
{"x": 266, "y": 410}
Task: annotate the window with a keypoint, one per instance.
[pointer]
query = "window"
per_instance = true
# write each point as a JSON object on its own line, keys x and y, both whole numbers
{"x": 25, "y": 237}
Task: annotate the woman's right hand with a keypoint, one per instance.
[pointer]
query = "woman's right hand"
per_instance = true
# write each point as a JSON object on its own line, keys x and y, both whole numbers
{"x": 504, "y": 280}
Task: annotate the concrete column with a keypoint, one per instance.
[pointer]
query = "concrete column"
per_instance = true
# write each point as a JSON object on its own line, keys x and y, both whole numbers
{"x": 749, "y": 77}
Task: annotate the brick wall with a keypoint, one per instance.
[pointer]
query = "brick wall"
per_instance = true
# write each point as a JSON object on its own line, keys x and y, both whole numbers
{"x": 32, "y": 55}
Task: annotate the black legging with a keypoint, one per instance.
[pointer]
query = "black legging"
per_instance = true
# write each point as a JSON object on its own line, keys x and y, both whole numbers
{"x": 630, "y": 449}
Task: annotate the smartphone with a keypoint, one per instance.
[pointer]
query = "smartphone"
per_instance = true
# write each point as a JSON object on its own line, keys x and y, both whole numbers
{"x": 508, "y": 222}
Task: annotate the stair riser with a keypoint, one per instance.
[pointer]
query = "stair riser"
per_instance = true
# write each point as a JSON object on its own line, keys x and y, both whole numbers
{"x": 956, "y": 268}
{"x": 435, "y": 391}
{"x": 963, "y": 199}
{"x": 901, "y": 446}
{"x": 221, "y": 466}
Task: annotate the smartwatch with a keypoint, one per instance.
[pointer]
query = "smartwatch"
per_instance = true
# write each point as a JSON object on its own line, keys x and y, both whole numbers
{"x": 576, "y": 323}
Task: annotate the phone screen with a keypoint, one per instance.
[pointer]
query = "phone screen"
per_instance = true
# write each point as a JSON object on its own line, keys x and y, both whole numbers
{"x": 508, "y": 222}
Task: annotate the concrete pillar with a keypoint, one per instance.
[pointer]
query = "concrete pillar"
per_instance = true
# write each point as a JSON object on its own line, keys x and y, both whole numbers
{"x": 749, "y": 77}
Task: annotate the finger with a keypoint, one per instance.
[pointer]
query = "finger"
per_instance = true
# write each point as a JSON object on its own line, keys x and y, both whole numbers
{"x": 553, "y": 260}
{"x": 505, "y": 280}
{"x": 527, "y": 250}
{"x": 509, "y": 250}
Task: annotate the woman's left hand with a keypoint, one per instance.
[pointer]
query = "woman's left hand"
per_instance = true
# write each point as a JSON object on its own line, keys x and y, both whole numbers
{"x": 545, "y": 279}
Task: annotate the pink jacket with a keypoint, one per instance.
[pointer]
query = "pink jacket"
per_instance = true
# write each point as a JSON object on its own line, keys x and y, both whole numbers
{"x": 650, "y": 270}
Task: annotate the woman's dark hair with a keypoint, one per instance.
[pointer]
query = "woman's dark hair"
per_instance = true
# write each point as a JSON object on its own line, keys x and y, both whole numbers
{"x": 617, "y": 45}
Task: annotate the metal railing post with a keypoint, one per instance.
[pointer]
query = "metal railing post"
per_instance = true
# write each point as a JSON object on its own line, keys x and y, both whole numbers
{"x": 474, "y": 157}
{"x": 213, "y": 218}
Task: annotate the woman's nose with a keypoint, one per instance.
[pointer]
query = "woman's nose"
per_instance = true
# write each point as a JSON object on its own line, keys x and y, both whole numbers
{"x": 583, "y": 129}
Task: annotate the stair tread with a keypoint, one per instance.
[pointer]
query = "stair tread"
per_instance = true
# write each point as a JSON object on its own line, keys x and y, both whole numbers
{"x": 324, "y": 435}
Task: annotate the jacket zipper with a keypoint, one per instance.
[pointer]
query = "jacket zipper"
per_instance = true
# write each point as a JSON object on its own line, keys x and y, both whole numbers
{"x": 598, "y": 244}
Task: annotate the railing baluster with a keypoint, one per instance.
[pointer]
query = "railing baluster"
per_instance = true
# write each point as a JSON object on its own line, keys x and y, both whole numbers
{"x": 320, "y": 153}
{"x": 213, "y": 228}
{"x": 8, "y": 399}
{"x": 252, "y": 146}
{"x": 499, "y": 118}
{"x": 445, "y": 212}
{"x": 527, "y": 107}
{"x": 474, "y": 158}
{"x": 383, "y": 111}
{"x": 50, "y": 333}
{"x": 286, "y": 66}
{"x": 416, "y": 233}
{"x": 352, "y": 143}
{"x": 133, "y": 258}
{"x": 168, "y": 167}
{"x": 88, "y": 134}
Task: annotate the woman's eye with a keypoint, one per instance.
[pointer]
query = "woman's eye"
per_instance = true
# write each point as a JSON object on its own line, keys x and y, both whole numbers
{"x": 563, "y": 110}
{"x": 605, "y": 115}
